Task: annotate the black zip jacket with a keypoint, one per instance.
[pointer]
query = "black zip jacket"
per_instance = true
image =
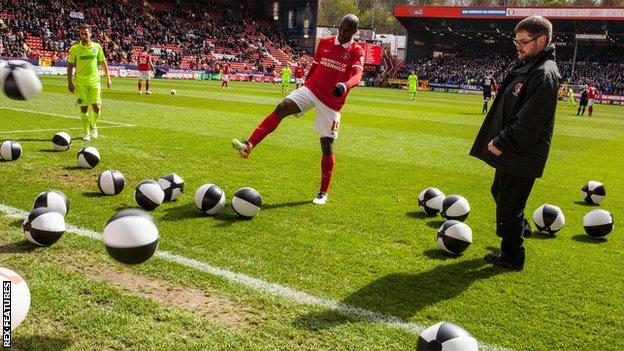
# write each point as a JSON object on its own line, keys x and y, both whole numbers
{"x": 522, "y": 118}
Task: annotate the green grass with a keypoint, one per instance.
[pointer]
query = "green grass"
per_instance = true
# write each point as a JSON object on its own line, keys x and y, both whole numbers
{"x": 368, "y": 247}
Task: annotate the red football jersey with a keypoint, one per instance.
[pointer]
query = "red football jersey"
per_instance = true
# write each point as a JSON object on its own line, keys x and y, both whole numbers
{"x": 226, "y": 69}
{"x": 299, "y": 72}
{"x": 592, "y": 93}
{"x": 144, "y": 64}
{"x": 334, "y": 62}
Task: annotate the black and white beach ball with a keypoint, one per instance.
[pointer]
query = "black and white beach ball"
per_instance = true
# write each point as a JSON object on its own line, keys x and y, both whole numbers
{"x": 20, "y": 296}
{"x": 549, "y": 219}
{"x": 454, "y": 237}
{"x": 594, "y": 192}
{"x": 54, "y": 200}
{"x": 148, "y": 194}
{"x": 131, "y": 236}
{"x": 455, "y": 207}
{"x": 10, "y": 150}
{"x": 430, "y": 201}
{"x": 210, "y": 199}
{"x": 446, "y": 336}
{"x": 19, "y": 80}
{"x": 173, "y": 186}
{"x": 111, "y": 182}
{"x": 61, "y": 141}
{"x": 598, "y": 223}
{"x": 246, "y": 202}
{"x": 88, "y": 157}
{"x": 43, "y": 226}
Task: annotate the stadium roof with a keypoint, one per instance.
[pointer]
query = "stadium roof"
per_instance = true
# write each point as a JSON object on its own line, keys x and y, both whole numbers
{"x": 567, "y": 21}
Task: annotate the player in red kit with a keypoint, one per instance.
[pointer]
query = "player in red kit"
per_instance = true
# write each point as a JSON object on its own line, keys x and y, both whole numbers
{"x": 299, "y": 75}
{"x": 225, "y": 76}
{"x": 592, "y": 94}
{"x": 146, "y": 66}
{"x": 337, "y": 68}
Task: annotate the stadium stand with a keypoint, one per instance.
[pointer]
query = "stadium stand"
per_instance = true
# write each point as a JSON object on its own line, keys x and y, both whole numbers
{"x": 201, "y": 36}
{"x": 197, "y": 36}
{"x": 457, "y": 46}
{"x": 469, "y": 65}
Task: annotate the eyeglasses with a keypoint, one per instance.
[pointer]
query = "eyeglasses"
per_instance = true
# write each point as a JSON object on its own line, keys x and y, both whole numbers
{"x": 524, "y": 42}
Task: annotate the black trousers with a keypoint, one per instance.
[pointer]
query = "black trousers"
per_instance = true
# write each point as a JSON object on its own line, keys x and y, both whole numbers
{"x": 511, "y": 194}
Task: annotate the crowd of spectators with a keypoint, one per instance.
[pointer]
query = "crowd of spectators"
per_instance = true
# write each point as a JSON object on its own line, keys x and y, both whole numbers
{"x": 469, "y": 66}
{"x": 205, "y": 33}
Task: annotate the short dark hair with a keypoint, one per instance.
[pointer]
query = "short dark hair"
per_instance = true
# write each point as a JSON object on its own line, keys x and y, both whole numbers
{"x": 535, "y": 26}
{"x": 84, "y": 26}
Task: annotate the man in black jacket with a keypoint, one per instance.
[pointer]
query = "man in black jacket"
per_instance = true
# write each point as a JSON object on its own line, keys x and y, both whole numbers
{"x": 516, "y": 133}
{"x": 584, "y": 100}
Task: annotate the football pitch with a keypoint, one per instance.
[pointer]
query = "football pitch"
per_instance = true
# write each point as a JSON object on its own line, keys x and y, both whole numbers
{"x": 361, "y": 273}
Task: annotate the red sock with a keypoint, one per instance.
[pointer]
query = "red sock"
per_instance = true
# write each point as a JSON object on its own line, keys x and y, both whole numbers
{"x": 147, "y": 85}
{"x": 327, "y": 167}
{"x": 591, "y": 109}
{"x": 266, "y": 127}
{"x": 139, "y": 86}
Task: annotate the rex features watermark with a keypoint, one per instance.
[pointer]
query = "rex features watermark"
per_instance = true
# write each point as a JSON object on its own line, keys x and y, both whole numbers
{"x": 6, "y": 314}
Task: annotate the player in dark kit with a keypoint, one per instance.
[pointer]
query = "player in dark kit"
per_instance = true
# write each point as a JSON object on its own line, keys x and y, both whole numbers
{"x": 337, "y": 68}
{"x": 583, "y": 101}
{"x": 488, "y": 85}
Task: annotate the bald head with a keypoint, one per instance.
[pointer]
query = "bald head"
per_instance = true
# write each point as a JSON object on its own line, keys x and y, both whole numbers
{"x": 351, "y": 19}
{"x": 348, "y": 28}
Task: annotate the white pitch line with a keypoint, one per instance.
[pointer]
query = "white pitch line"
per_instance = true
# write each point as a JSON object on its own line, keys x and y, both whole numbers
{"x": 274, "y": 289}
{"x": 63, "y": 116}
{"x": 55, "y": 129}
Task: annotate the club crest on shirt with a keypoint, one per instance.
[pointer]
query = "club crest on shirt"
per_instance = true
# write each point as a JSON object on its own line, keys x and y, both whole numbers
{"x": 517, "y": 89}
{"x": 345, "y": 55}
{"x": 94, "y": 51}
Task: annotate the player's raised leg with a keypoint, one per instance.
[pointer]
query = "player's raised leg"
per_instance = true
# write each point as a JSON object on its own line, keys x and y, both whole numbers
{"x": 285, "y": 108}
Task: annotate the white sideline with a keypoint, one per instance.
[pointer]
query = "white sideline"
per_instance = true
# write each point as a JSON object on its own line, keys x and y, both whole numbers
{"x": 55, "y": 129}
{"x": 290, "y": 294}
{"x": 63, "y": 116}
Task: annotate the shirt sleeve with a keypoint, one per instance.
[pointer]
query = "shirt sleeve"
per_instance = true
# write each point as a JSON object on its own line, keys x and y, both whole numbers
{"x": 358, "y": 59}
{"x": 100, "y": 54}
{"x": 357, "y": 67}
{"x": 71, "y": 58}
